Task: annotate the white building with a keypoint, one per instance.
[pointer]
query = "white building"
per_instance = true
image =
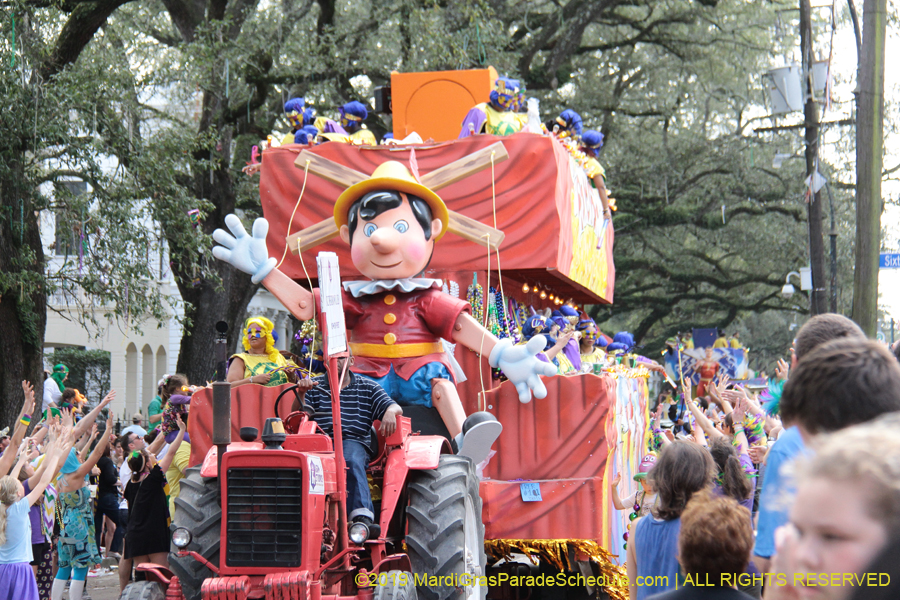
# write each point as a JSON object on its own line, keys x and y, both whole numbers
{"x": 138, "y": 359}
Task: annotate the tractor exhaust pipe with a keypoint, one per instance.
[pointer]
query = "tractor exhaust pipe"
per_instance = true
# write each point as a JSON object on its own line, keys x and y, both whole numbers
{"x": 221, "y": 400}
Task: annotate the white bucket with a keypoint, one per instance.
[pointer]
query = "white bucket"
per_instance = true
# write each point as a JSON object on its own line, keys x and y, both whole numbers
{"x": 784, "y": 88}
{"x": 819, "y": 78}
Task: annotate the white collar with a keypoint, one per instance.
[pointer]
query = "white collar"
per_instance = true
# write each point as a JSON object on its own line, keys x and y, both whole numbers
{"x": 366, "y": 288}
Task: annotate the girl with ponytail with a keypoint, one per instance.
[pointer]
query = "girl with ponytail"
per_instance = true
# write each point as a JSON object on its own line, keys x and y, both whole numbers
{"x": 17, "y": 580}
{"x": 732, "y": 477}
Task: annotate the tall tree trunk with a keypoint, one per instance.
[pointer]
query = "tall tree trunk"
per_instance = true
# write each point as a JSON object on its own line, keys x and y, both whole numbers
{"x": 818, "y": 301}
{"x": 196, "y": 358}
{"x": 210, "y": 304}
{"x": 23, "y": 301}
{"x": 869, "y": 148}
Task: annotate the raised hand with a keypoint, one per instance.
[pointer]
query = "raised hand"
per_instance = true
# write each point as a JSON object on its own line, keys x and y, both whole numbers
{"x": 243, "y": 252}
{"x": 782, "y": 370}
{"x": 108, "y": 398}
{"x": 66, "y": 419}
{"x": 28, "y": 406}
{"x": 724, "y": 380}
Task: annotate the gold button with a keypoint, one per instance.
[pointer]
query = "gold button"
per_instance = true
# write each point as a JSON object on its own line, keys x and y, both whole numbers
{"x": 390, "y": 299}
{"x": 389, "y": 338}
{"x": 390, "y": 318}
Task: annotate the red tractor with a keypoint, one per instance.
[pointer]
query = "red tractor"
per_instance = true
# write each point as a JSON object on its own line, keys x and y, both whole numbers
{"x": 265, "y": 517}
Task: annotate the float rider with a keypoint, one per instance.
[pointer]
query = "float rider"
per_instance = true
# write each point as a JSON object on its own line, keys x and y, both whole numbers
{"x": 498, "y": 116}
{"x": 352, "y": 116}
{"x": 299, "y": 115}
{"x": 567, "y": 124}
{"x": 396, "y": 319}
{"x": 591, "y": 142}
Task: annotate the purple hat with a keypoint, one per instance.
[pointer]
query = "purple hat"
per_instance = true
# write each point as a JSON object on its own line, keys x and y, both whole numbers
{"x": 646, "y": 464}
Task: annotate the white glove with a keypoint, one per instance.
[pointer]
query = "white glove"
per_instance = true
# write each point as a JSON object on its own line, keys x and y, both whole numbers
{"x": 245, "y": 253}
{"x": 522, "y": 367}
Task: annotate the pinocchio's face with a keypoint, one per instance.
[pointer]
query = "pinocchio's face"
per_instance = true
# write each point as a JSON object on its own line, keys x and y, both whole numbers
{"x": 392, "y": 245}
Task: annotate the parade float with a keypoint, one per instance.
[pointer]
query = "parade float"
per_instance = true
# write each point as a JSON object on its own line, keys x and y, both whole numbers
{"x": 524, "y": 231}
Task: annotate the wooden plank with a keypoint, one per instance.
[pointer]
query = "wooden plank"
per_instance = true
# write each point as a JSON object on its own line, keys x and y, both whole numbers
{"x": 312, "y": 236}
{"x": 439, "y": 178}
{"x": 461, "y": 225}
{"x": 475, "y": 231}
{"x": 329, "y": 170}
{"x": 464, "y": 167}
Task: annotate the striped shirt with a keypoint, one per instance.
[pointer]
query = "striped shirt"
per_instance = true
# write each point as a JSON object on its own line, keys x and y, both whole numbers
{"x": 362, "y": 402}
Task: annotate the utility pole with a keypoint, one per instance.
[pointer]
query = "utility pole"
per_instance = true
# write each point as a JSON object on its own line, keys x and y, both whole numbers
{"x": 817, "y": 298}
{"x": 869, "y": 148}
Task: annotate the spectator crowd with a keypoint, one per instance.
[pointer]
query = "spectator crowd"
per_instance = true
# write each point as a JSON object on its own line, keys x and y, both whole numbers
{"x": 789, "y": 493}
{"x": 75, "y": 496}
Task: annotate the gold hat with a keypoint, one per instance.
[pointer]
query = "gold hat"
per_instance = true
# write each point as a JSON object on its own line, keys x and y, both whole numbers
{"x": 391, "y": 175}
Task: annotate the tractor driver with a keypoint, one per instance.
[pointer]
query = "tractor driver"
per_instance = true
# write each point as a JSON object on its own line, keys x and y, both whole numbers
{"x": 362, "y": 402}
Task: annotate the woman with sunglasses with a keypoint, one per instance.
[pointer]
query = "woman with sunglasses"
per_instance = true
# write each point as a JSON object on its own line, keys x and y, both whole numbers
{"x": 260, "y": 363}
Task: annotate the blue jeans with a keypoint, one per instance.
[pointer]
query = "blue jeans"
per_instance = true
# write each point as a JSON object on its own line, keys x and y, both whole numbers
{"x": 121, "y": 529}
{"x": 359, "y": 500}
{"x": 108, "y": 505}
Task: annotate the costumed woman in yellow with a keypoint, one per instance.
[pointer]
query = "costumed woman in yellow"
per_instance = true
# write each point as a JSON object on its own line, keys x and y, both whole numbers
{"x": 591, "y": 142}
{"x": 260, "y": 362}
{"x": 497, "y": 116}
{"x": 590, "y": 353}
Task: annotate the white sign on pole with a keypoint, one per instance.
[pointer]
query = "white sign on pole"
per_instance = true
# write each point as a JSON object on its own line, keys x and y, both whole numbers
{"x": 332, "y": 306}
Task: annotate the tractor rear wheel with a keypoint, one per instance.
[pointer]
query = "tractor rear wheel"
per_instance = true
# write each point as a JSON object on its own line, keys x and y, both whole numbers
{"x": 143, "y": 590}
{"x": 445, "y": 535}
{"x": 197, "y": 509}
{"x": 395, "y": 585}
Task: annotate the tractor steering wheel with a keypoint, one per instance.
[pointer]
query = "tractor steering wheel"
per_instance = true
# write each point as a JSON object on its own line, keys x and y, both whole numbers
{"x": 293, "y": 388}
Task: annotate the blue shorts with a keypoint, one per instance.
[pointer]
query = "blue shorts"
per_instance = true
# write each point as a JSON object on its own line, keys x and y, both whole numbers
{"x": 417, "y": 389}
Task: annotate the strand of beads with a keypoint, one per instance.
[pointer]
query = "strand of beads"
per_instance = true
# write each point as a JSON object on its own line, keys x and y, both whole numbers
{"x": 493, "y": 323}
{"x": 475, "y": 297}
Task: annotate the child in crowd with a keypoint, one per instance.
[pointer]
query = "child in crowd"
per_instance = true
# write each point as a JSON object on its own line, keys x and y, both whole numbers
{"x": 846, "y": 510}
{"x": 77, "y": 547}
{"x": 682, "y": 470}
{"x": 17, "y": 581}
{"x": 714, "y": 544}
{"x": 641, "y": 501}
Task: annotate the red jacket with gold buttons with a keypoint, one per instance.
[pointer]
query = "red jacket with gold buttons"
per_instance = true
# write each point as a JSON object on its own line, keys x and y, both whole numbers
{"x": 400, "y": 329}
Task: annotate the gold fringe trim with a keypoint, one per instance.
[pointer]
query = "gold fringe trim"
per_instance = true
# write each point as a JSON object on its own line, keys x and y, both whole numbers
{"x": 560, "y": 553}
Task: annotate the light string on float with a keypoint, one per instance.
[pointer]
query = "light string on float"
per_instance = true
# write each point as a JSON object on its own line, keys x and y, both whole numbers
{"x": 291, "y": 220}
{"x": 312, "y": 344}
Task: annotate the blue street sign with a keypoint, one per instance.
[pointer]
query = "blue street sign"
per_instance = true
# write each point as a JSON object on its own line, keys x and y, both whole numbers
{"x": 889, "y": 260}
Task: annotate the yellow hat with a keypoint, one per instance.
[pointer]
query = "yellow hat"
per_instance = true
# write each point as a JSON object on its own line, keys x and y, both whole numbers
{"x": 391, "y": 175}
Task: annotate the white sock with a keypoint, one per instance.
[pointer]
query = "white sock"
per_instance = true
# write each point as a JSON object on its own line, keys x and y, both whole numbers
{"x": 58, "y": 589}
{"x": 75, "y": 589}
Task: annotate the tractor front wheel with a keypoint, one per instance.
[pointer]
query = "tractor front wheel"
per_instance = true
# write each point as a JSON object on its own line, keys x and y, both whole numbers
{"x": 143, "y": 590}
{"x": 197, "y": 509}
{"x": 445, "y": 535}
{"x": 395, "y": 585}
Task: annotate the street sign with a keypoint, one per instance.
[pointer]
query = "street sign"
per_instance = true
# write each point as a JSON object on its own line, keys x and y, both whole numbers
{"x": 889, "y": 260}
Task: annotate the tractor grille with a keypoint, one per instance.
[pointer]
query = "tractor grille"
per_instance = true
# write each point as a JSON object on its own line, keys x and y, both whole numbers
{"x": 264, "y": 517}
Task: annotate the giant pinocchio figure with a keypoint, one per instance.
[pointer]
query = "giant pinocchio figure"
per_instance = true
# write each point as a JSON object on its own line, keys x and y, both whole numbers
{"x": 397, "y": 318}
